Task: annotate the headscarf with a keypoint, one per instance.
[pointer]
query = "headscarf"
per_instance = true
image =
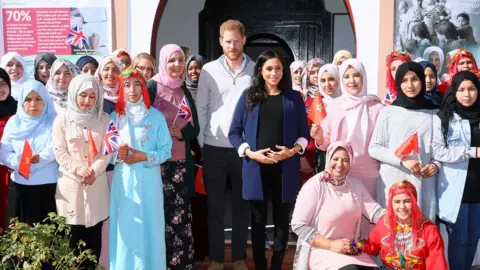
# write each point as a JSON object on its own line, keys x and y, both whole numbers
{"x": 110, "y": 91}
{"x": 162, "y": 76}
{"x": 192, "y": 85}
{"x": 418, "y": 102}
{"x": 403, "y": 187}
{"x": 357, "y": 117}
{"x": 430, "y": 50}
{"x": 332, "y": 69}
{"x": 459, "y": 55}
{"x": 393, "y": 56}
{"x": 452, "y": 53}
{"x": 60, "y": 96}
{"x": 16, "y": 85}
{"x": 326, "y": 175}
{"x": 82, "y": 61}
{"x": 340, "y": 54}
{"x": 9, "y": 105}
{"x": 22, "y": 126}
{"x": 450, "y": 104}
{"x": 120, "y": 52}
{"x": 294, "y": 66}
{"x": 45, "y": 56}
{"x": 433, "y": 96}
{"x": 310, "y": 90}
{"x": 80, "y": 84}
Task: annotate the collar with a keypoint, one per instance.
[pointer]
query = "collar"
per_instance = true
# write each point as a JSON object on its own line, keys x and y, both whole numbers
{"x": 240, "y": 69}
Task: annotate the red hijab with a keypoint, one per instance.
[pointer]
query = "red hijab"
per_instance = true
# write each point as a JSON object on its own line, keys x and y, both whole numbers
{"x": 394, "y": 55}
{"x": 453, "y": 69}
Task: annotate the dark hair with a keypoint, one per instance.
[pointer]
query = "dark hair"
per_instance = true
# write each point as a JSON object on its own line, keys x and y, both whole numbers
{"x": 256, "y": 93}
{"x": 447, "y": 29}
{"x": 420, "y": 30}
{"x": 411, "y": 46}
{"x": 465, "y": 16}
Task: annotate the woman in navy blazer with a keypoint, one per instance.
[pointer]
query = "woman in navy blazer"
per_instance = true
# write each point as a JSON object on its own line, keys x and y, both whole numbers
{"x": 269, "y": 129}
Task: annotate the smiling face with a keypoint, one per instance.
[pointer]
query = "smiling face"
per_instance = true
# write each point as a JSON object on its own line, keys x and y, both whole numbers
{"x": 402, "y": 207}
{"x": 313, "y": 75}
{"x": 43, "y": 71}
{"x": 297, "y": 76}
{"x": 467, "y": 93}
{"x": 272, "y": 72}
{"x": 232, "y": 43}
{"x": 14, "y": 69}
{"x": 110, "y": 74}
{"x": 430, "y": 79}
{"x": 133, "y": 89}
{"x": 4, "y": 90}
{"x": 176, "y": 65}
{"x": 86, "y": 100}
{"x": 33, "y": 104}
{"x": 328, "y": 83}
{"x": 194, "y": 70}
{"x": 62, "y": 77}
{"x": 411, "y": 84}
{"x": 339, "y": 164}
{"x": 352, "y": 81}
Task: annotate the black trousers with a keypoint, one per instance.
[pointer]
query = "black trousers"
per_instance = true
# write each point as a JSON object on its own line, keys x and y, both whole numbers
{"x": 218, "y": 164}
{"x": 357, "y": 267}
{"x": 272, "y": 189}
{"x": 92, "y": 236}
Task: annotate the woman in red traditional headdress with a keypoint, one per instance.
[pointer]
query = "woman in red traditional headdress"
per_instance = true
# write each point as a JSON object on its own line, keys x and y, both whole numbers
{"x": 394, "y": 59}
{"x": 417, "y": 241}
{"x": 462, "y": 60}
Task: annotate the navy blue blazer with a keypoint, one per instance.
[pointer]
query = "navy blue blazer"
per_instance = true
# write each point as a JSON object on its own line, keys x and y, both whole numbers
{"x": 244, "y": 129}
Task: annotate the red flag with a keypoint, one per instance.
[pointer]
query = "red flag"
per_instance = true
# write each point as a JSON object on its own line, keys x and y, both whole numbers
{"x": 92, "y": 148}
{"x": 317, "y": 110}
{"x": 199, "y": 185}
{"x": 25, "y": 160}
{"x": 411, "y": 144}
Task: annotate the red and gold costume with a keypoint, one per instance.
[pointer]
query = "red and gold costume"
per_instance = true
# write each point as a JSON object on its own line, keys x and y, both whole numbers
{"x": 418, "y": 246}
{"x": 453, "y": 69}
{"x": 393, "y": 56}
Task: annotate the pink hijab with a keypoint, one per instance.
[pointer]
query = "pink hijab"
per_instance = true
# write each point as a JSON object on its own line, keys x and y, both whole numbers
{"x": 110, "y": 91}
{"x": 326, "y": 175}
{"x": 162, "y": 76}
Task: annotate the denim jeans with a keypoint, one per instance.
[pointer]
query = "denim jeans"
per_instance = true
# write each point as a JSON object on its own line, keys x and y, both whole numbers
{"x": 463, "y": 236}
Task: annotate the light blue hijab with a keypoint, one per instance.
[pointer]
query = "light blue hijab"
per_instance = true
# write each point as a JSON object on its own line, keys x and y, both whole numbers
{"x": 22, "y": 126}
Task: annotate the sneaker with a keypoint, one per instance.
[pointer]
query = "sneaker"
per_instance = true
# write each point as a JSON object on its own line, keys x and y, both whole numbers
{"x": 215, "y": 266}
{"x": 240, "y": 265}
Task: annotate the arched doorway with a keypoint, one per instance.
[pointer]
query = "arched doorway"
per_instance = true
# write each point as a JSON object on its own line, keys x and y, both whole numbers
{"x": 258, "y": 43}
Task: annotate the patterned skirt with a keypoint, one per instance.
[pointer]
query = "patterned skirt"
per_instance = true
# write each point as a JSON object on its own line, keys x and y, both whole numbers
{"x": 178, "y": 216}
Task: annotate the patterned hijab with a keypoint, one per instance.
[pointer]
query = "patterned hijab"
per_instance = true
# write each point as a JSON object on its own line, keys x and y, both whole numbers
{"x": 45, "y": 56}
{"x": 294, "y": 66}
{"x": 110, "y": 91}
{"x": 393, "y": 56}
{"x": 16, "y": 85}
{"x": 326, "y": 175}
{"x": 310, "y": 89}
{"x": 459, "y": 55}
{"x": 60, "y": 95}
{"x": 80, "y": 84}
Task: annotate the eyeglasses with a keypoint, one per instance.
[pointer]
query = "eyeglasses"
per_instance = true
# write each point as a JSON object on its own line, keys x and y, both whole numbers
{"x": 144, "y": 68}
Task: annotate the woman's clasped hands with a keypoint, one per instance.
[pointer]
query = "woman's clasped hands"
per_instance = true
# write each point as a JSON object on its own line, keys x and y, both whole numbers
{"x": 130, "y": 155}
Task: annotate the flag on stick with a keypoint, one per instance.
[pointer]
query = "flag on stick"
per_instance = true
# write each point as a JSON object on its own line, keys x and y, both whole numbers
{"x": 92, "y": 149}
{"x": 317, "y": 110}
{"x": 25, "y": 160}
{"x": 411, "y": 144}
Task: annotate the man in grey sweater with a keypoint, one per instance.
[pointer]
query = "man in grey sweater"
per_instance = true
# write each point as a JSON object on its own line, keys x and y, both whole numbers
{"x": 221, "y": 84}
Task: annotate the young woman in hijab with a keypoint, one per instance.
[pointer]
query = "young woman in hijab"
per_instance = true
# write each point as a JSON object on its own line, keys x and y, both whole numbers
{"x": 296, "y": 69}
{"x": 448, "y": 61}
{"x": 434, "y": 55}
{"x": 394, "y": 59}
{"x": 269, "y": 131}
{"x": 404, "y": 238}
{"x": 463, "y": 60}
{"x": 328, "y": 215}
{"x": 30, "y": 200}
{"x": 431, "y": 82}
{"x": 14, "y": 65}
{"x": 124, "y": 58}
{"x": 310, "y": 79}
{"x": 8, "y": 107}
{"x": 108, "y": 76}
{"x": 61, "y": 74}
{"x": 410, "y": 113}
{"x": 341, "y": 56}
{"x": 87, "y": 65}
{"x": 83, "y": 195}
{"x": 456, "y": 142}
{"x": 43, "y": 65}
{"x": 168, "y": 96}
{"x": 351, "y": 117}
{"x": 194, "y": 66}
{"x": 137, "y": 180}
{"x": 145, "y": 63}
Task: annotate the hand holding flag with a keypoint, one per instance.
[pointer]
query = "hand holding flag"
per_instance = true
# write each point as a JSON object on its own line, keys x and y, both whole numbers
{"x": 411, "y": 144}
{"x": 184, "y": 111}
{"x": 25, "y": 160}
{"x": 317, "y": 110}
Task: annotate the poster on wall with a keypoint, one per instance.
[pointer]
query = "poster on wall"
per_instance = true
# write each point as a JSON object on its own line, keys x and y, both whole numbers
{"x": 66, "y": 28}
{"x": 447, "y": 24}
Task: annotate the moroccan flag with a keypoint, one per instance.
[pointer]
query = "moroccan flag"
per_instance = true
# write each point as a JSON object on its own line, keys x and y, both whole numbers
{"x": 92, "y": 148}
{"x": 317, "y": 110}
{"x": 411, "y": 144}
{"x": 199, "y": 186}
{"x": 25, "y": 160}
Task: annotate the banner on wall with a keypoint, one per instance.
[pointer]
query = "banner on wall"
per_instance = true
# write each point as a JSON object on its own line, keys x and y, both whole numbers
{"x": 448, "y": 24}
{"x": 66, "y": 28}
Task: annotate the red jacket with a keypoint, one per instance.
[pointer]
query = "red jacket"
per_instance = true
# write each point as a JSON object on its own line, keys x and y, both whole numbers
{"x": 4, "y": 180}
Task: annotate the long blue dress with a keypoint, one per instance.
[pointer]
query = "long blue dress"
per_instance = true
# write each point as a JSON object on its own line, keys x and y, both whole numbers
{"x": 137, "y": 226}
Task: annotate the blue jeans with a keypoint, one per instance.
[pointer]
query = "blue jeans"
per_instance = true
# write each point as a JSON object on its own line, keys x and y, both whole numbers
{"x": 463, "y": 236}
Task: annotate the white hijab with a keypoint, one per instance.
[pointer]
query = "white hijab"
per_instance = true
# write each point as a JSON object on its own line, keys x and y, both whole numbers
{"x": 430, "y": 50}
{"x": 16, "y": 85}
{"x": 333, "y": 70}
{"x": 78, "y": 85}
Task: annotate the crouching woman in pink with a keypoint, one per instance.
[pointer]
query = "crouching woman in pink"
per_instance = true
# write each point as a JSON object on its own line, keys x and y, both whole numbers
{"x": 328, "y": 214}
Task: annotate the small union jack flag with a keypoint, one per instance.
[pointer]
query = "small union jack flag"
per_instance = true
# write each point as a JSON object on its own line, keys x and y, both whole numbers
{"x": 184, "y": 111}
{"x": 110, "y": 143}
{"x": 389, "y": 98}
{"x": 76, "y": 38}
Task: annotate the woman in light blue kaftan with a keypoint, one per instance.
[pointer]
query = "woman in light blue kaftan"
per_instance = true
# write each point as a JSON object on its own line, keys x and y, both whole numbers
{"x": 137, "y": 227}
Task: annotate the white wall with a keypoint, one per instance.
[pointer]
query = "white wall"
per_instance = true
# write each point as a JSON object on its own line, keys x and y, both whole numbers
{"x": 140, "y": 25}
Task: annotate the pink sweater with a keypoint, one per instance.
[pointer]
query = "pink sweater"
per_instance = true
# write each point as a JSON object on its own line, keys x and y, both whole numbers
{"x": 335, "y": 128}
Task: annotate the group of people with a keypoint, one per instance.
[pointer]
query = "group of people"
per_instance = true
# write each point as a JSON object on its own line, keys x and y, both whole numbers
{"x": 249, "y": 119}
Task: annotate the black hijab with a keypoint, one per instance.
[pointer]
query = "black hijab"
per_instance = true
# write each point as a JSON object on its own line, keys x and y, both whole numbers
{"x": 9, "y": 105}
{"x": 450, "y": 104}
{"x": 45, "y": 56}
{"x": 192, "y": 85}
{"x": 418, "y": 102}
